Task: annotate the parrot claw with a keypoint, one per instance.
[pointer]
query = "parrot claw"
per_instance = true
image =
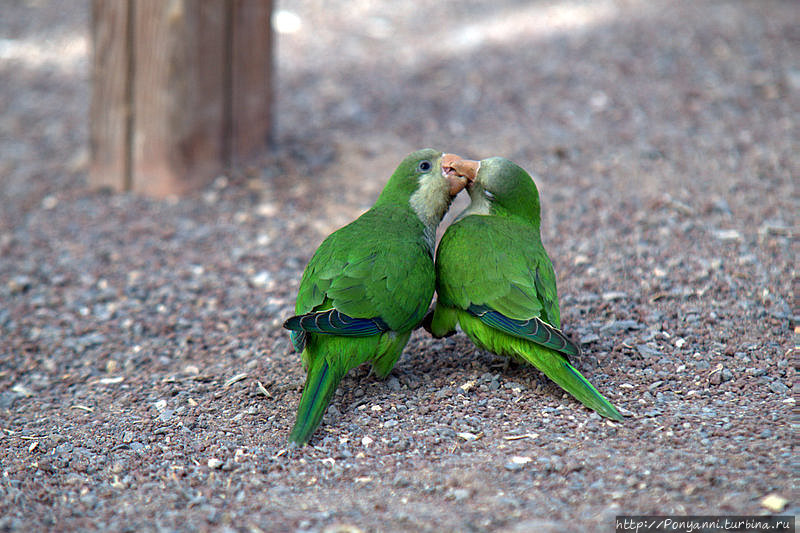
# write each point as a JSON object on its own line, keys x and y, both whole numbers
{"x": 427, "y": 325}
{"x": 502, "y": 365}
{"x": 426, "y": 322}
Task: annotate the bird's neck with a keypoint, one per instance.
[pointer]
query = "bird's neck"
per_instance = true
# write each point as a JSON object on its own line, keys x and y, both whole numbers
{"x": 478, "y": 205}
{"x": 430, "y": 204}
{"x": 484, "y": 208}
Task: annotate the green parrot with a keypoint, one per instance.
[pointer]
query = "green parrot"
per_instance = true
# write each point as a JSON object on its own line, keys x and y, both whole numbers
{"x": 369, "y": 284}
{"x": 494, "y": 278}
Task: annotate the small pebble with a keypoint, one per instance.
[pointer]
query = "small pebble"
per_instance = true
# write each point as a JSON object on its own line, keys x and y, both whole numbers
{"x": 612, "y": 296}
{"x": 774, "y": 502}
{"x": 624, "y": 412}
{"x": 517, "y": 463}
{"x": 460, "y": 494}
{"x": 589, "y": 338}
{"x": 393, "y": 383}
{"x": 648, "y": 351}
{"x": 778, "y": 388}
{"x": 728, "y": 235}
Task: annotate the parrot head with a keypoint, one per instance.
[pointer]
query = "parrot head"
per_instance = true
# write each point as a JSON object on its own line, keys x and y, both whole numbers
{"x": 427, "y": 180}
{"x": 501, "y": 187}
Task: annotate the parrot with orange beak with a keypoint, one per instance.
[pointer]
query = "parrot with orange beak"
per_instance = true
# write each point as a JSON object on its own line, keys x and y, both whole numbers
{"x": 369, "y": 284}
{"x": 504, "y": 296}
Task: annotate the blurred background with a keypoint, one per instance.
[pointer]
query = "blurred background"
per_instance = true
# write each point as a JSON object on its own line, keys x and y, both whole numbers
{"x": 571, "y": 88}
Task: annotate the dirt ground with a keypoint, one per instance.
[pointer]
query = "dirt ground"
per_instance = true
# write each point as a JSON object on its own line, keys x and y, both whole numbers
{"x": 146, "y": 383}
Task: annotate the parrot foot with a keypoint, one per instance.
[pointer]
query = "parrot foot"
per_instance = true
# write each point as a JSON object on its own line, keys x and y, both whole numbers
{"x": 426, "y": 322}
{"x": 503, "y": 366}
{"x": 427, "y": 325}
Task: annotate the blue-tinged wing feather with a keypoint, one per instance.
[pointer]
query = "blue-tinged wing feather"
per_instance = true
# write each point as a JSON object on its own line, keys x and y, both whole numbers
{"x": 533, "y": 329}
{"x": 333, "y": 322}
{"x": 298, "y": 338}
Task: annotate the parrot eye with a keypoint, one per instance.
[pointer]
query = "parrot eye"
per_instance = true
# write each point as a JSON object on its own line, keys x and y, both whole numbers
{"x": 424, "y": 166}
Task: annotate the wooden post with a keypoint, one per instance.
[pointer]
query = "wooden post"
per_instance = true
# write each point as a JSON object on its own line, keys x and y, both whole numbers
{"x": 181, "y": 90}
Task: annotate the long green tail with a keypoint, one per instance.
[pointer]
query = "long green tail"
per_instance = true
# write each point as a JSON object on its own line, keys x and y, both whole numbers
{"x": 568, "y": 378}
{"x": 554, "y": 365}
{"x": 321, "y": 383}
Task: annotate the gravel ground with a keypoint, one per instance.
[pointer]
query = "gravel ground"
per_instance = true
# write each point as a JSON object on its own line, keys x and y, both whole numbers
{"x": 146, "y": 383}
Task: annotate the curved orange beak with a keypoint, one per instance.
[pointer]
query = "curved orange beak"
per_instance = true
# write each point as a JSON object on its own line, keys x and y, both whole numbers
{"x": 459, "y": 172}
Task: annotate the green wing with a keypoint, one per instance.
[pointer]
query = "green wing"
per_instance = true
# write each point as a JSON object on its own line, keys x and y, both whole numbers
{"x": 498, "y": 263}
{"x": 331, "y": 322}
{"x": 532, "y": 329}
{"x": 334, "y": 322}
{"x": 377, "y": 267}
